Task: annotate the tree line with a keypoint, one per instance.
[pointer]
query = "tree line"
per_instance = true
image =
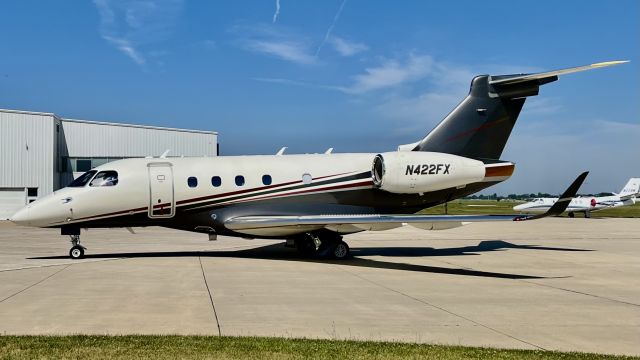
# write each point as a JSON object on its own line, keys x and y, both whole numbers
{"x": 525, "y": 196}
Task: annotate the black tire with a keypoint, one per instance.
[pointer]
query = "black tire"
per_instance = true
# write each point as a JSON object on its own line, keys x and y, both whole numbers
{"x": 572, "y": 215}
{"x": 76, "y": 252}
{"x": 341, "y": 251}
{"x": 306, "y": 246}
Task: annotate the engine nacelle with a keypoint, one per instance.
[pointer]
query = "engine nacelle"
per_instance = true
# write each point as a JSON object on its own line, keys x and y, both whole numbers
{"x": 413, "y": 172}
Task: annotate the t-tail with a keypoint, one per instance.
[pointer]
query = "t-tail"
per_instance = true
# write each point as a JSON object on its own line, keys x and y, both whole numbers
{"x": 480, "y": 125}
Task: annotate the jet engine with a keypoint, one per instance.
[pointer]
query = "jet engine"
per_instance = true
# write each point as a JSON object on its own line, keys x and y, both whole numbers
{"x": 413, "y": 172}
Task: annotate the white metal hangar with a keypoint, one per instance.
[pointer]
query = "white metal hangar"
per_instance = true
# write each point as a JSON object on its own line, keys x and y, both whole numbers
{"x": 41, "y": 152}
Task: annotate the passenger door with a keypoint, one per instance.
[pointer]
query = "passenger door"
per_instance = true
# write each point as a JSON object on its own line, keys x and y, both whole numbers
{"x": 161, "y": 195}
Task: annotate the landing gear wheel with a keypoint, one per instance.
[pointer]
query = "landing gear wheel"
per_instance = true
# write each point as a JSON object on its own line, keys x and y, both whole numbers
{"x": 587, "y": 215}
{"x": 341, "y": 251}
{"x": 572, "y": 215}
{"x": 76, "y": 252}
{"x": 307, "y": 245}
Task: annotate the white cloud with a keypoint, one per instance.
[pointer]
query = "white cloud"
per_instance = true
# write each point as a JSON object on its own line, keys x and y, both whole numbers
{"x": 125, "y": 46}
{"x": 293, "y": 51}
{"x": 275, "y": 14}
{"x": 345, "y": 47}
{"x": 279, "y": 43}
{"x": 131, "y": 25}
{"x": 391, "y": 73}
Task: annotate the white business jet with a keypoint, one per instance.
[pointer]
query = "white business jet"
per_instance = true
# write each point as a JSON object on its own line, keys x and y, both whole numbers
{"x": 309, "y": 200}
{"x": 586, "y": 205}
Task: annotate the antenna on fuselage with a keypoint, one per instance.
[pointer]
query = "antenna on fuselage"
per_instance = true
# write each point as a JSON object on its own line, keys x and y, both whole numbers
{"x": 329, "y": 151}
{"x": 164, "y": 154}
{"x": 281, "y": 151}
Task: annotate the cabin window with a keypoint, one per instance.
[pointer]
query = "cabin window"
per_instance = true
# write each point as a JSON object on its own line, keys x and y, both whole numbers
{"x": 240, "y": 180}
{"x": 105, "y": 178}
{"x": 307, "y": 178}
{"x": 192, "y": 181}
{"x": 83, "y": 179}
{"x": 266, "y": 179}
{"x": 216, "y": 181}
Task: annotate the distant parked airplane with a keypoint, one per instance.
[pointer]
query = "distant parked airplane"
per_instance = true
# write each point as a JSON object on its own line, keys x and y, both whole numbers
{"x": 310, "y": 200}
{"x": 586, "y": 205}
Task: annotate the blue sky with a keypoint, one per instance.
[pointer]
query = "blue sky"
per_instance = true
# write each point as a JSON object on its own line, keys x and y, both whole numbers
{"x": 359, "y": 76}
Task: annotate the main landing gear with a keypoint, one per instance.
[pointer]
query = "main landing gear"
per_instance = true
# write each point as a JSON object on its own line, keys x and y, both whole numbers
{"x": 77, "y": 250}
{"x": 322, "y": 245}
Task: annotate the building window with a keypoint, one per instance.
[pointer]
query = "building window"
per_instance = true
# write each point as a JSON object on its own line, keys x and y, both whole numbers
{"x": 240, "y": 180}
{"x": 266, "y": 179}
{"x": 105, "y": 178}
{"x": 72, "y": 164}
{"x": 83, "y": 165}
{"x": 216, "y": 181}
{"x": 192, "y": 181}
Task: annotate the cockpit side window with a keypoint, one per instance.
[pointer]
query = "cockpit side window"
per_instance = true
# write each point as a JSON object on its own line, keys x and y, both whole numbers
{"x": 83, "y": 179}
{"x": 105, "y": 178}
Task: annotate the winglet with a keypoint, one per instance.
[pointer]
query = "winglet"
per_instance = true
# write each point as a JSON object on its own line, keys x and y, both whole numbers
{"x": 563, "y": 202}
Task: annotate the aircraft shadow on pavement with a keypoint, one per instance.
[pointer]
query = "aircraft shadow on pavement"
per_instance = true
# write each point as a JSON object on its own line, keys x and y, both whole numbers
{"x": 279, "y": 252}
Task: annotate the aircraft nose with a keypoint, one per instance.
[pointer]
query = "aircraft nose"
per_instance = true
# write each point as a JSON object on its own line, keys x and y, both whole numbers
{"x": 21, "y": 217}
{"x": 518, "y": 207}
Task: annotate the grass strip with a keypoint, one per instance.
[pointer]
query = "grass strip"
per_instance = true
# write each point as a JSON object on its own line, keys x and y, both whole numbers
{"x": 214, "y": 347}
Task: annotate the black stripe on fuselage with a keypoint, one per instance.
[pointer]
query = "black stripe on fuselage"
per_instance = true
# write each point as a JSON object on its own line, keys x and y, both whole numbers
{"x": 269, "y": 190}
{"x": 357, "y": 201}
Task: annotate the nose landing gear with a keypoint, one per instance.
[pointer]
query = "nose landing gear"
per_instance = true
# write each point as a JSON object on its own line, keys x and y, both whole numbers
{"x": 77, "y": 250}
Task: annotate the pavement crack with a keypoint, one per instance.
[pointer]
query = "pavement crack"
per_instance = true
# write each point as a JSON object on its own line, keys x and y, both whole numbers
{"x": 213, "y": 305}
{"x": 442, "y": 309}
{"x": 582, "y": 293}
{"x": 34, "y": 284}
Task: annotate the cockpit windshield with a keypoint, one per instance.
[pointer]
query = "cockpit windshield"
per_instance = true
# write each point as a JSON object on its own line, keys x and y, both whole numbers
{"x": 105, "y": 178}
{"x": 83, "y": 179}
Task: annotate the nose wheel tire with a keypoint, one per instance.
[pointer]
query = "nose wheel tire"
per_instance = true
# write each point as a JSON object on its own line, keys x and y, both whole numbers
{"x": 341, "y": 251}
{"x": 76, "y": 252}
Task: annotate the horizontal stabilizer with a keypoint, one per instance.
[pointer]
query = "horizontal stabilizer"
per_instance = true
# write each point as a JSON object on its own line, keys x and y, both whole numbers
{"x": 549, "y": 75}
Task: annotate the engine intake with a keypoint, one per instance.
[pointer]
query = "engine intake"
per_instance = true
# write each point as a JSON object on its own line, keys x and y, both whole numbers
{"x": 413, "y": 172}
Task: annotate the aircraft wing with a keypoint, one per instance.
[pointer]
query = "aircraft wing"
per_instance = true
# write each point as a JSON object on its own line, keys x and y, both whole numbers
{"x": 352, "y": 223}
{"x": 548, "y": 76}
{"x": 629, "y": 196}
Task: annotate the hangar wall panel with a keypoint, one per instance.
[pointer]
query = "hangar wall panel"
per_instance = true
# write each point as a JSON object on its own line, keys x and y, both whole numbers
{"x": 11, "y": 200}
{"x": 27, "y": 154}
{"x": 94, "y": 139}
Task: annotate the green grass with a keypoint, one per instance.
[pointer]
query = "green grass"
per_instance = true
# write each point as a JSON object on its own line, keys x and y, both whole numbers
{"x": 470, "y": 207}
{"x": 201, "y": 347}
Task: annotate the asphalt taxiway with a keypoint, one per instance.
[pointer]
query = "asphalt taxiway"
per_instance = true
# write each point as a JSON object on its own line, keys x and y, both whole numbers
{"x": 561, "y": 284}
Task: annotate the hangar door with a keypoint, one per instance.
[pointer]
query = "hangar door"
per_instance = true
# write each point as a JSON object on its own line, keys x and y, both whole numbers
{"x": 11, "y": 200}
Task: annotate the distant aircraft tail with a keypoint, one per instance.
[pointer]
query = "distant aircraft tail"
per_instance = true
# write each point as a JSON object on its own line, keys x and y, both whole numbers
{"x": 631, "y": 189}
{"x": 480, "y": 125}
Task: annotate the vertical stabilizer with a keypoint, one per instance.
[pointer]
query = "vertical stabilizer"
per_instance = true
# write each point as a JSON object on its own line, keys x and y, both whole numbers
{"x": 480, "y": 126}
{"x": 631, "y": 188}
